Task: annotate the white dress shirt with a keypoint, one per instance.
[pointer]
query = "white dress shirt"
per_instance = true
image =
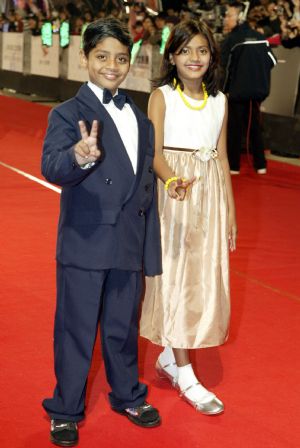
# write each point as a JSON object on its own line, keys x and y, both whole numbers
{"x": 126, "y": 123}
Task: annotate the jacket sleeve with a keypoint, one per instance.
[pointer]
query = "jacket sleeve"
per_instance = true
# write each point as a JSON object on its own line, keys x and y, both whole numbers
{"x": 58, "y": 159}
{"x": 152, "y": 242}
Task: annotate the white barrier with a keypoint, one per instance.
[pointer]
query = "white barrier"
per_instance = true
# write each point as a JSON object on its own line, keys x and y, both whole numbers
{"x": 140, "y": 73}
{"x": 24, "y": 53}
{"x": 44, "y": 60}
{"x": 12, "y": 51}
{"x": 284, "y": 83}
{"x": 75, "y": 71}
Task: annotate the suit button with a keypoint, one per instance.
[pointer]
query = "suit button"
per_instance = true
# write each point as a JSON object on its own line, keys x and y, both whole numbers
{"x": 150, "y": 169}
{"x": 141, "y": 212}
{"x": 108, "y": 181}
{"x": 147, "y": 187}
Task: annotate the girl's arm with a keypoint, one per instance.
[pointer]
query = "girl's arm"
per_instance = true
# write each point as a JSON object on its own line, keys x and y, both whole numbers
{"x": 222, "y": 152}
{"x": 156, "y": 113}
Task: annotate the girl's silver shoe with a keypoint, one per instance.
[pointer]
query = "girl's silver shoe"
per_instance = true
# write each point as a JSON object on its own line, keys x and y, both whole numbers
{"x": 162, "y": 373}
{"x": 212, "y": 407}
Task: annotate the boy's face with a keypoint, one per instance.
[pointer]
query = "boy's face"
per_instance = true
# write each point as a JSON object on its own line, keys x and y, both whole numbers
{"x": 108, "y": 64}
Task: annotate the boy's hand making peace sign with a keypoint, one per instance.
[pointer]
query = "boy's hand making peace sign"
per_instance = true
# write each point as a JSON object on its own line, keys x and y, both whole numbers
{"x": 86, "y": 150}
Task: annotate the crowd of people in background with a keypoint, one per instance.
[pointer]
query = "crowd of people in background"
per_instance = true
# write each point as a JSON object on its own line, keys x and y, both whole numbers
{"x": 277, "y": 20}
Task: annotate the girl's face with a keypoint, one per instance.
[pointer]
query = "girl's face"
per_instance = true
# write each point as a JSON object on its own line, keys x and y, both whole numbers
{"x": 192, "y": 60}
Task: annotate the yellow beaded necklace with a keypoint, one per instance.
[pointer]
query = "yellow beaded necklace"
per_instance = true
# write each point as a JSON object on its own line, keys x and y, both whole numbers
{"x": 205, "y": 98}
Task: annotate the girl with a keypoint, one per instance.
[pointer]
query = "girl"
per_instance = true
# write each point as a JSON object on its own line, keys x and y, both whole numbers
{"x": 188, "y": 306}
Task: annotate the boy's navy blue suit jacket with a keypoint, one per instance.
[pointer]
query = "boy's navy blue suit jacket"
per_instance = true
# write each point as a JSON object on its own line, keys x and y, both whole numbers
{"x": 108, "y": 216}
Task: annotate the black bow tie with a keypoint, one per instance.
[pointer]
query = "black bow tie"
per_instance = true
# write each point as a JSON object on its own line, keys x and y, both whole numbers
{"x": 119, "y": 99}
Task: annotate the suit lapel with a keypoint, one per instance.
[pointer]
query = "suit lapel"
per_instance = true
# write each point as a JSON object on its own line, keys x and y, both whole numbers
{"x": 109, "y": 136}
{"x": 142, "y": 134}
{"x": 142, "y": 140}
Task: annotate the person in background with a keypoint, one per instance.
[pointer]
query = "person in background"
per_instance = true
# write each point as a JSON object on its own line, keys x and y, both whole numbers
{"x": 138, "y": 31}
{"x": 160, "y": 23}
{"x": 149, "y": 28}
{"x": 76, "y": 25}
{"x": 243, "y": 114}
{"x": 33, "y": 25}
{"x": 290, "y": 27}
{"x": 4, "y": 23}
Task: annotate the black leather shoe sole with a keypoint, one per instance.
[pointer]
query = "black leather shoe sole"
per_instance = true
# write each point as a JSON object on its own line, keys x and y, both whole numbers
{"x": 63, "y": 442}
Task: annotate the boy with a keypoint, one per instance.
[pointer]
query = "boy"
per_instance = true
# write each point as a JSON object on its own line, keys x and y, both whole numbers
{"x": 99, "y": 148}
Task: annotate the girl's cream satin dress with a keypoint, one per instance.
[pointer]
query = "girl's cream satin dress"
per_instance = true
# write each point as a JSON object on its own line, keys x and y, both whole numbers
{"x": 188, "y": 306}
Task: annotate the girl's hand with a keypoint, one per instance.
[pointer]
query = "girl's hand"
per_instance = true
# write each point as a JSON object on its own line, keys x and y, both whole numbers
{"x": 232, "y": 233}
{"x": 177, "y": 189}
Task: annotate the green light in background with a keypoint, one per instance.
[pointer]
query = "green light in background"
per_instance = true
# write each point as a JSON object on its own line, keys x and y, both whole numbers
{"x": 164, "y": 37}
{"x": 135, "y": 49}
{"x": 46, "y": 33}
{"x": 64, "y": 34}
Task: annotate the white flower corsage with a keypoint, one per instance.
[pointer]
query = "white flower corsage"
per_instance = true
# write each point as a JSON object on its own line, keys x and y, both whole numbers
{"x": 205, "y": 154}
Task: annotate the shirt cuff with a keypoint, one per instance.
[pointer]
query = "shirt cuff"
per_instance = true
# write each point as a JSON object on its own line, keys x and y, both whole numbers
{"x": 87, "y": 166}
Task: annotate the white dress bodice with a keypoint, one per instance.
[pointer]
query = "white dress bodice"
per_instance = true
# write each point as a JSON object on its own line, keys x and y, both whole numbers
{"x": 188, "y": 128}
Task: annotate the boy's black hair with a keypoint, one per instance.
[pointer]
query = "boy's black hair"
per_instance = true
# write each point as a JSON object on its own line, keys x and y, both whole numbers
{"x": 103, "y": 28}
{"x": 180, "y": 36}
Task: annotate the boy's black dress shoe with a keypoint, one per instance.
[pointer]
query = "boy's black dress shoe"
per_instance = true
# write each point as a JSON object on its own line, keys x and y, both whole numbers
{"x": 144, "y": 415}
{"x": 63, "y": 433}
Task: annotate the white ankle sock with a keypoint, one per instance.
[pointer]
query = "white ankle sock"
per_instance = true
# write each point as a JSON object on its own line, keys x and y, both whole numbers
{"x": 187, "y": 378}
{"x": 167, "y": 358}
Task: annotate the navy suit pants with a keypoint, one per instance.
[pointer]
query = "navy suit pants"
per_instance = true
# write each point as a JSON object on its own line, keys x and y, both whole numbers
{"x": 85, "y": 299}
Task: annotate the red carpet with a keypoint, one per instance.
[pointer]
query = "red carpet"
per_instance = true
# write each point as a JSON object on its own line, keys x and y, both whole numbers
{"x": 256, "y": 373}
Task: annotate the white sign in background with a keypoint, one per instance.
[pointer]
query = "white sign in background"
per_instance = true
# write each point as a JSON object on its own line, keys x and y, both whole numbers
{"x": 75, "y": 71}
{"x": 140, "y": 72}
{"x": 282, "y": 101}
{"x": 45, "y": 60}
{"x": 12, "y": 51}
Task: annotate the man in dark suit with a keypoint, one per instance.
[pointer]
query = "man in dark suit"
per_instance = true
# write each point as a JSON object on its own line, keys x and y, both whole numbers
{"x": 99, "y": 148}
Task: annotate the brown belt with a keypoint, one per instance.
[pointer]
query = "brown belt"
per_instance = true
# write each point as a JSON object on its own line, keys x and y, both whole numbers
{"x": 179, "y": 149}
